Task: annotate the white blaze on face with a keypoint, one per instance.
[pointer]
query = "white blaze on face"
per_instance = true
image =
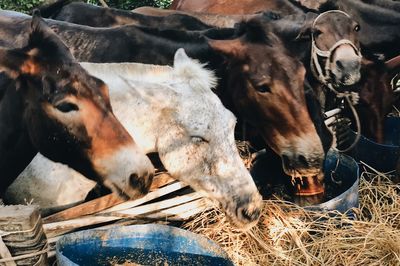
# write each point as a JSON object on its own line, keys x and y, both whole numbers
{"x": 346, "y": 65}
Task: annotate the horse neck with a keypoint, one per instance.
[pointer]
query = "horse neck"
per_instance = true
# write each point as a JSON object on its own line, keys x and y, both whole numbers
{"x": 16, "y": 149}
{"x": 94, "y": 44}
{"x": 132, "y": 71}
{"x": 141, "y": 106}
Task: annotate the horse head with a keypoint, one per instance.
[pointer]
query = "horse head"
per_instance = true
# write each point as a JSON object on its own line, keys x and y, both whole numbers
{"x": 266, "y": 88}
{"x": 335, "y": 48}
{"x": 68, "y": 115}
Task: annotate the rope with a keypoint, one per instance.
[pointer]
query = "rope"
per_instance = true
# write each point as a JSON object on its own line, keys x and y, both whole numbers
{"x": 347, "y": 96}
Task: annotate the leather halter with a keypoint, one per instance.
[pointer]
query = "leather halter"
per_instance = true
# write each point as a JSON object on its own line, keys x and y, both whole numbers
{"x": 316, "y": 68}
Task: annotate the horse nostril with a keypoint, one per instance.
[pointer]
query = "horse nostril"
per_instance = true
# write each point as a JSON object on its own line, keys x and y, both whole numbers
{"x": 285, "y": 160}
{"x": 141, "y": 183}
{"x": 302, "y": 160}
{"x": 133, "y": 180}
{"x": 339, "y": 64}
{"x": 249, "y": 216}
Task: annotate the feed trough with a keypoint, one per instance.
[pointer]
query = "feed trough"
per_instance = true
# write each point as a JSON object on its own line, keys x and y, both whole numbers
{"x": 382, "y": 157}
{"x": 150, "y": 244}
{"x": 341, "y": 181}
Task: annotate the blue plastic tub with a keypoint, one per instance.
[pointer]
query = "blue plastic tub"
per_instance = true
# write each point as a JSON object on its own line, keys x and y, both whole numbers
{"x": 382, "y": 157}
{"x": 149, "y": 244}
{"x": 341, "y": 173}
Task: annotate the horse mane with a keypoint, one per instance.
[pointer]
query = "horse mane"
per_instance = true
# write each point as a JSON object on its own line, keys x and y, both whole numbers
{"x": 131, "y": 71}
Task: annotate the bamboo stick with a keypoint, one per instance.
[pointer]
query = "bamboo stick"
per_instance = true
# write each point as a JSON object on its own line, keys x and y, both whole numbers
{"x": 152, "y": 195}
{"x": 157, "y": 206}
{"x": 181, "y": 212}
{"x": 58, "y": 228}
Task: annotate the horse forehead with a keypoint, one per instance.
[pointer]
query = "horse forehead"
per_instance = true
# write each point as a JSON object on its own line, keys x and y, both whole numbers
{"x": 276, "y": 66}
{"x": 205, "y": 112}
{"x": 335, "y": 22}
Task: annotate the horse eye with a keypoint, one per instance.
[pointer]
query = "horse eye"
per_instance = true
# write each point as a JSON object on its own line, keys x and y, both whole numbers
{"x": 357, "y": 28}
{"x": 316, "y": 32}
{"x": 198, "y": 139}
{"x": 67, "y": 107}
{"x": 263, "y": 88}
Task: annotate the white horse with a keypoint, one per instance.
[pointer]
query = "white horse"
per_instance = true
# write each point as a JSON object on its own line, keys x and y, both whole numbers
{"x": 171, "y": 111}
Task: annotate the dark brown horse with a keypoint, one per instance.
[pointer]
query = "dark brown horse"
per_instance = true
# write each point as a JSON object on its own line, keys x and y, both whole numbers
{"x": 49, "y": 104}
{"x": 216, "y": 20}
{"x": 95, "y": 16}
{"x": 379, "y": 19}
{"x": 376, "y": 96}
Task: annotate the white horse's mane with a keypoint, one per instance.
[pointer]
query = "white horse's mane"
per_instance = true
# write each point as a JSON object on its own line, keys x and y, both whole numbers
{"x": 185, "y": 69}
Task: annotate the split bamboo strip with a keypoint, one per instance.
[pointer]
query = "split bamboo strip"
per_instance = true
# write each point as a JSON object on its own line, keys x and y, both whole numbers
{"x": 150, "y": 196}
{"x": 157, "y": 206}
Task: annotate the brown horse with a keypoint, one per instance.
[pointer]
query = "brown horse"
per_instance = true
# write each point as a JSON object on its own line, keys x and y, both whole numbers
{"x": 228, "y": 7}
{"x": 50, "y": 104}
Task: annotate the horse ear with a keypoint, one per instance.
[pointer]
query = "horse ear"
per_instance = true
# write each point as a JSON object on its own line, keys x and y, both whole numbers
{"x": 393, "y": 64}
{"x": 181, "y": 56}
{"x": 230, "y": 48}
{"x": 255, "y": 30}
{"x": 47, "y": 43}
{"x": 13, "y": 63}
{"x": 306, "y": 29}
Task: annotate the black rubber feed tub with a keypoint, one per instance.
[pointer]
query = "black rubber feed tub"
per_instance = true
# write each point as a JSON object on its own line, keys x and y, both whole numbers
{"x": 382, "y": 157}
{"x": 341, "y": 181}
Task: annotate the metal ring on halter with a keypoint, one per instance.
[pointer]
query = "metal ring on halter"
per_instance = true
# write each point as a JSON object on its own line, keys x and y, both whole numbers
{"x": 395, "y": 83}
{"x": 316, "y": 52}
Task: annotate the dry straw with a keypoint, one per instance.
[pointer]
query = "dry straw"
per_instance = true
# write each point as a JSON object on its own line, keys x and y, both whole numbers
{"x": 290, "y": 235}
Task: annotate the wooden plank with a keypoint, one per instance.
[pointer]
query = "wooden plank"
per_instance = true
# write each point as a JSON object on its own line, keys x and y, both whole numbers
{"x": 86, "y": 208}
{"x": 161, "y": 180}
{"x": 101, "y": 203}
{"x": 57, "y": 228}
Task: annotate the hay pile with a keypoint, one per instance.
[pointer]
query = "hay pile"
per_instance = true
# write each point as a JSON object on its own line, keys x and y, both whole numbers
{"x": 290, "y": 235}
